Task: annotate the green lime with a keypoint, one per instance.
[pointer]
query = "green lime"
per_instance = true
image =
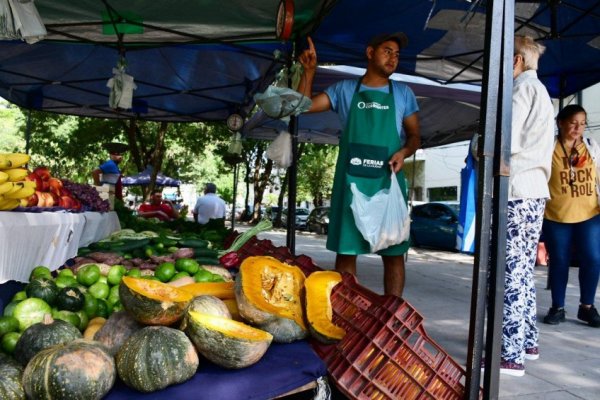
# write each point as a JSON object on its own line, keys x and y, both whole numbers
{"x": 40, "y": 272}
{"x": 134, "y": 272}
{"x": 19, "y": 296}
{"x": 148, "y": 251}
{"x": 114, "y": 291}
{"x": 103, "y": 279}
{"x": 65, "y": 280}
{"x": 8, "y": 324}
{"x": 159, "y": 246}
{"x": 115, "y": 273}
{"x": 66, "y": 272}
{"x": 165, "y": 271}
{"x": 217, "y": 278}
{"x": 83, "y": 320}
{"x": 179, "y": 275}
{"x": 90, "y": 305}
{"x": 104, "y": 309}
{"x": 9, "y": 309}
{"x": 68, "y": 316}
{"x": 9, "y": 342}
{"x": 99, "y": 290}
{"x": 188, "y": 265}
{"x": 88, "y": 274}
{"x": 203, "y": 275}
{"x": 117, "y": 306}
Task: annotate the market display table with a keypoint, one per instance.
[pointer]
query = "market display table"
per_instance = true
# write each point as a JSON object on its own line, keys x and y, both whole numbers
{"x": 47, "y": 238}
{"x": 283, "y": 369}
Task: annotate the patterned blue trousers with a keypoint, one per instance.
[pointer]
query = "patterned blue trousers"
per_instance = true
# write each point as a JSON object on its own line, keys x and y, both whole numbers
{"x": 519, "y": 325}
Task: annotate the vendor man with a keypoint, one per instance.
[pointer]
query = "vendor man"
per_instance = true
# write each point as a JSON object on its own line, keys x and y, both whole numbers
{"x": 109, "y": 171}
{"x": 158, "y": 208}
{"x": 380, "y": 123}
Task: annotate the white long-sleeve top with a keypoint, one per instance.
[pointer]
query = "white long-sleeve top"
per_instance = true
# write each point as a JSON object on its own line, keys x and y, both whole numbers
{"x": 532, "y": 139}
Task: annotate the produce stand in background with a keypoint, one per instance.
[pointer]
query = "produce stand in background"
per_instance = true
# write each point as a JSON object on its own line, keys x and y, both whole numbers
{"x": 29, "y": 239}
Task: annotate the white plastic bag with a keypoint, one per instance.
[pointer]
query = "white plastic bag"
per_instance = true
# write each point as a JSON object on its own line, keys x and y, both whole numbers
{"x": 280, "y": 150}
{"x": 382, "y": 219}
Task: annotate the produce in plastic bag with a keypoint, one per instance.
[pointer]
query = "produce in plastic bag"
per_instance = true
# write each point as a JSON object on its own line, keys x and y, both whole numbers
{"x": 280, "y": 103}
{"x": 280, "y": 150}
{"x": 383, "y": 219}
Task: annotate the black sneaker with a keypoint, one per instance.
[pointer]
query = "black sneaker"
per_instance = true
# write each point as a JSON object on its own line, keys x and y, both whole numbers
{"x": 555, "y": 316}
{"x": 589, "y": 315}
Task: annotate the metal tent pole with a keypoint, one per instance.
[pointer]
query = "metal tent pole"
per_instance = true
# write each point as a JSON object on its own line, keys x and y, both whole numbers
{"x": 235, "y": 182}
{"x": 292, "y": 183}
{"x": 494, "y": 171}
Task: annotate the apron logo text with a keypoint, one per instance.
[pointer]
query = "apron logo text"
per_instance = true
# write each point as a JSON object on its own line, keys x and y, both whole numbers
{"x": 362, "y": 105}
{"x": 367, "y": 163}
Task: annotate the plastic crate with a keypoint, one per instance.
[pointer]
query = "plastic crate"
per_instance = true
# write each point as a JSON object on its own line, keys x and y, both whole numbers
{"x": 386, "y": 353}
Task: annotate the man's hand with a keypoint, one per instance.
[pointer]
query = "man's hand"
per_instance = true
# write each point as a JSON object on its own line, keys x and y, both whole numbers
{"x": 397, "y": 161}
{"x": 308, "y": 58}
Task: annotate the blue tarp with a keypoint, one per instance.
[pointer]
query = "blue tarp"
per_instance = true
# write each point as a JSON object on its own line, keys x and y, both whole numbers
{"x": 465, "y": 231}
{"x": 143, "y": 179}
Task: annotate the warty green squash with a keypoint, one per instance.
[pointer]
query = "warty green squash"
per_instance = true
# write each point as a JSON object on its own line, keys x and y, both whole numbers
{"x": 225, "y": 342}
{"x": 42, "y": 335}
{"x": 79, "y": 370}
{"x": 156, "y": 357}
{"x": 152, "y": 302}
{"x": 11, "y": 372}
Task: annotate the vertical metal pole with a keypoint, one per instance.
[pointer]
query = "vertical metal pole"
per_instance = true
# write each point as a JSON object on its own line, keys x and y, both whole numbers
{"x": 494, "y": 156}
{"x": 235, "y": 181}
{"x": 292, "y": 183}
{"x": 28, "y": 132}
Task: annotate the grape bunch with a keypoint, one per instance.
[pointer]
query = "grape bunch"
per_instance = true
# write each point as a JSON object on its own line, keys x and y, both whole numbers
{"x": 87, "y": 195}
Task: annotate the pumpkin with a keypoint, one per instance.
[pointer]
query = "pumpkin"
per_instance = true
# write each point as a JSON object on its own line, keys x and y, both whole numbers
{"x": 94, "y": 326}
{"x": 42, "y": 288}
{"x": 155, "y": 357}
{"x": 225, "y": 342}
{"x": 10, "y": 384}
{"x": 43, "y": 335}
{"x": 222, "y": 290}
{"x": 76, "y": 370}
{"x": 152, "y": 302}
{"x": 70, "y": 299}
{"x": 116, "y": 330}
{"x": 206, "y": 305}
{"x": 233, "y": 309}
{"x": 268, "y": 294}
{"x": 319, "y": 313}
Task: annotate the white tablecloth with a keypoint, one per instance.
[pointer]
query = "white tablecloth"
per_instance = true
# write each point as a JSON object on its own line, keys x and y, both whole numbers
{"x": 49, "y": 238}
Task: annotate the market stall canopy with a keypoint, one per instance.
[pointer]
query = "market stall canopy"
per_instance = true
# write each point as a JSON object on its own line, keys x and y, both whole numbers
{"x": 202, "y": 61}
{"x": 446, "y": 38}
{"x": 190, "y": 60}
{"x": 436, "y": 102}
{"x": 143, "y": 179}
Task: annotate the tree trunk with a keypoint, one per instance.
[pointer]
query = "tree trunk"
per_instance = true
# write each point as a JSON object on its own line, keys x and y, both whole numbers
{"x": 157, "y": 155}
{"x": 259, "y": 189}
{"x": 282, "y": 192}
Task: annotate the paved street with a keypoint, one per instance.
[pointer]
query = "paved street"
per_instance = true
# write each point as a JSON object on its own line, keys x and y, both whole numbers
{"x": 438, "y": 285}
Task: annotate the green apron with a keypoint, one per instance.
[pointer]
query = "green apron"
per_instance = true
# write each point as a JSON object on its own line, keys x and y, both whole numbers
{"x": 366, "y": 146}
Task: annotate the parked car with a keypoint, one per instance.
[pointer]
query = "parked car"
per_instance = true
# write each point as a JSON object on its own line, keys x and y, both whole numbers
{"x": 271, "y": 212}
{"x": 434, "y": 225}
{"x": 318, "y": 220}
{"x": 301, "y": 217}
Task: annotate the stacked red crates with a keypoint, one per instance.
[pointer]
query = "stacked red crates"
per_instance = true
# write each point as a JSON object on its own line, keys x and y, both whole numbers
{"x": 386, "y": 353}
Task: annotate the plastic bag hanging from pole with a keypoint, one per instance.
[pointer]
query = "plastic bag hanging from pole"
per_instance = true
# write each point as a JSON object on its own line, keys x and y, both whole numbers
{"x": 121, "y": 87}
{"x": 280, "y": 103}
{"x": 382, "y": 219}
{"x": 235, "y": 144}
{"x": 280, "y": 150}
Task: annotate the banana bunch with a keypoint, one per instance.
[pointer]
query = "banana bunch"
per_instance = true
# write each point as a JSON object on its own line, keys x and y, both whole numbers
{"x": 14, "y": 190}
{"x": 13, "y": 160}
